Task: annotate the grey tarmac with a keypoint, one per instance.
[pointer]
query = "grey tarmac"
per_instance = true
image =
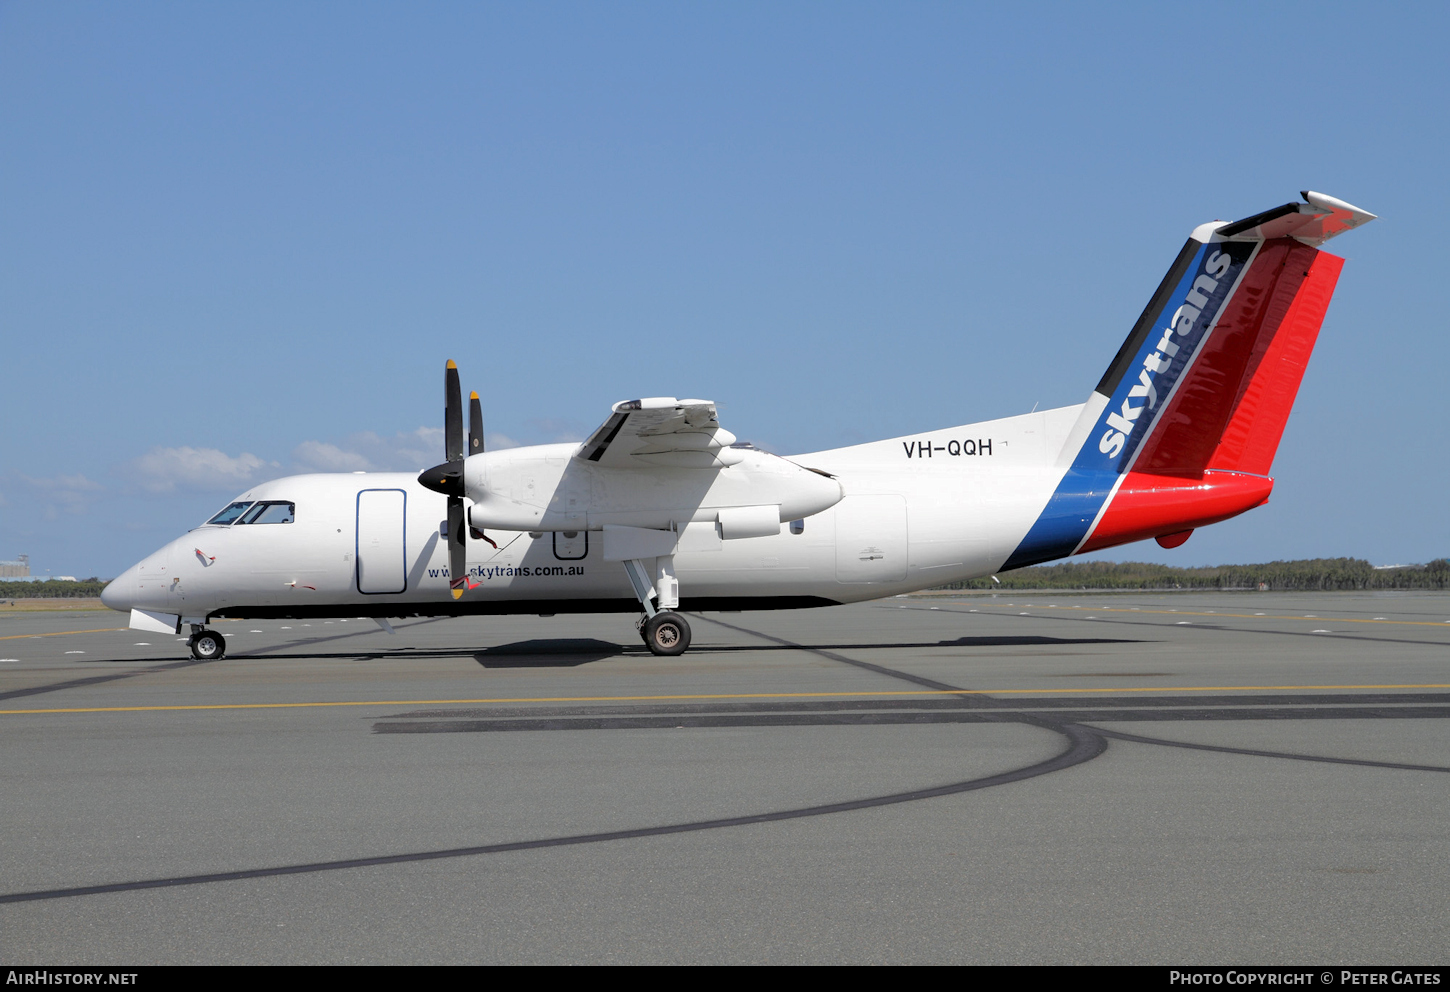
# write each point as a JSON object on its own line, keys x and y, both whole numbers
{"x": 1185, "y": 778}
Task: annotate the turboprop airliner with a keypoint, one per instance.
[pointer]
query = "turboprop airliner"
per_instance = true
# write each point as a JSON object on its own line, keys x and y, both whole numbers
{"x": 662, "y": 511}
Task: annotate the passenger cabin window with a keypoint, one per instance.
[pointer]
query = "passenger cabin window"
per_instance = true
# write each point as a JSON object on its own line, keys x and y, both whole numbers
{"x": 270, "y": 512}
{"x": 230, "y": 514}
{"x": 797, "y": 526}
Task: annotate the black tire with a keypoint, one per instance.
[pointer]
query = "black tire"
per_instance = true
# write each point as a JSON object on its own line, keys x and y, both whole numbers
{"x": 207, "y": 645}
{"x": 667, "y": 634}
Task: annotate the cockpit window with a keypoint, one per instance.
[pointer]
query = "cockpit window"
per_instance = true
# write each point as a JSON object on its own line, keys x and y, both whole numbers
{"x": 231, "y": 513}
{"x": 271, "y": 512}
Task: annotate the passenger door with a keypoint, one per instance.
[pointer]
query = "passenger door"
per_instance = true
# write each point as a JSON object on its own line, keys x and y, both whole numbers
{"x": 381, "y": 545}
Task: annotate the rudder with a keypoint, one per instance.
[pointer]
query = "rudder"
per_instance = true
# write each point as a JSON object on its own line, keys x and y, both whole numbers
{"x": 1276, "y": 369}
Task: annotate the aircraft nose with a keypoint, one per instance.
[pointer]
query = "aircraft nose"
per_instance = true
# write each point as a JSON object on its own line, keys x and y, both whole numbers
{"x": 120, "y": 592}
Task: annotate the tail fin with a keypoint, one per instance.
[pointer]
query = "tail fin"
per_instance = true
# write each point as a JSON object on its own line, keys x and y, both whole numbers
{"x": 1202, "y": 386}
{"x": 1211, "y": 368}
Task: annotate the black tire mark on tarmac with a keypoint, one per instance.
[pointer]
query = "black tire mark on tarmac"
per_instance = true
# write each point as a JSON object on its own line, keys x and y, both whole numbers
{"x": 97, "y": 679}
{"x": 367, "y": 631}
{"x": 246, "y": 653}
{"x": 1426, "y": 712}
{"x": 1083, "y": 745}
{"x": 663, "y": 718}
{"x": 1135, "y": 738}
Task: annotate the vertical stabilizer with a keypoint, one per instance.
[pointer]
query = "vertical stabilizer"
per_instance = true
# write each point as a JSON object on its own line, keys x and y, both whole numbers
{"x": 1203, "y": 383}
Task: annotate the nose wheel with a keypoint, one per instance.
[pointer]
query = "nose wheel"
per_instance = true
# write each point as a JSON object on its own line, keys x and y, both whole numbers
{"x": 207, "y": 645}
{"x": 666, "y": 634}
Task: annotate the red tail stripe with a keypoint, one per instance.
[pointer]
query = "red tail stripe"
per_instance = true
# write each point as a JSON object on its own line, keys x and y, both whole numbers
{"x": 1207, "y": 401}
{"x": 1280, "y": 356}
{"x": 1149, "y": 505}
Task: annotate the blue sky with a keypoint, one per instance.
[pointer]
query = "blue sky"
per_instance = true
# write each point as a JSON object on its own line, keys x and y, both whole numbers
{"x": 240, "y": 240}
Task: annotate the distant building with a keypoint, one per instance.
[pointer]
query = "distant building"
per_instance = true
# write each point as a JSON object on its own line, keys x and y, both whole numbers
{"x": 17, "y": 569}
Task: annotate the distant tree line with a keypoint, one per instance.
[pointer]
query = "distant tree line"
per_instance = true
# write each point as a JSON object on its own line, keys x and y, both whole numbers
{"x": 1313, "y": 574}
{"x": 52, "y": 589}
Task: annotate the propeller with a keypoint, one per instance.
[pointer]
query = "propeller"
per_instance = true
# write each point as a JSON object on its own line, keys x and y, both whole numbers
{"x": 447, "y": 478}
{"x": 475, "y": 447}
{"x": 475, "y": 425}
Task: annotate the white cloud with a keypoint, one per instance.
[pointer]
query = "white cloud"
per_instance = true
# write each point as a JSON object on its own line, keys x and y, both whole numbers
{"x": 317, "y": 456}
{"x": 165, "y": 470}
{"x": 405, "y": 451}
{"x": 551, "y": 430}
{"x": 63, "y": 494}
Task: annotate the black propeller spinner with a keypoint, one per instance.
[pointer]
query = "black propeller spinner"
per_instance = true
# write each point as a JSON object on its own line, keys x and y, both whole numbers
{"x": 447, "y": 478}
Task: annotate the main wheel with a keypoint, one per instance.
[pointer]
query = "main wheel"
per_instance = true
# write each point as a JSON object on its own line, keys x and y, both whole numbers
{"x": 667, "y": 634}
{"x": 207, "y": 645}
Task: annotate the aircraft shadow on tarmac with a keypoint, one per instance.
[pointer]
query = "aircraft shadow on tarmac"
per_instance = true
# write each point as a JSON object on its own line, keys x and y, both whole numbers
{"x": 566, "y": 652}
{"x": 1031, "y": 640}
{"x": 571, "y": 652}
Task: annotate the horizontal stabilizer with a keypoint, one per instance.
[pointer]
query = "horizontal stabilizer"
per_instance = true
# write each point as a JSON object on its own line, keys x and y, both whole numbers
{"x": 1312, "y": 222}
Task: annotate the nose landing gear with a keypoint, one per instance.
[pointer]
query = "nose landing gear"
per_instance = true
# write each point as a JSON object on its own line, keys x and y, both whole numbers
{"x": 206, "y": 645}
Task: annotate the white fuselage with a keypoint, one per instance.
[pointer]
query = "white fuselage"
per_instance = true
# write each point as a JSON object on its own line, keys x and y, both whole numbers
{"x": 914, "y": 512}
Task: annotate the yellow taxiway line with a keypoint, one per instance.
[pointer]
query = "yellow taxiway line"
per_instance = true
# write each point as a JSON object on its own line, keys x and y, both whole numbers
{"x": 740, "y": 695}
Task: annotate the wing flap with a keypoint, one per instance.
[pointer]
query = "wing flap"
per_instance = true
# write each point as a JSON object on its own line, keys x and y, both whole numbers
{"x": 661, "y": 431}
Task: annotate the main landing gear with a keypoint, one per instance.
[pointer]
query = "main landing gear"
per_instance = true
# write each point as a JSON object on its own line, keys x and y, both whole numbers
{"x": 663, "y": 630}
{"x": 206, "y": 645}
{"x": 666, "y": 634}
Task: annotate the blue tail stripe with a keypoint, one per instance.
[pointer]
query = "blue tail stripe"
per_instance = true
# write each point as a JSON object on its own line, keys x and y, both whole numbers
{"x": 1131, "y": 412}
{"x": 1064, "y": 522}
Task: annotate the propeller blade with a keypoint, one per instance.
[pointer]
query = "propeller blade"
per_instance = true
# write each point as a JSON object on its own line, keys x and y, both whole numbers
{"x": 475, "y": 425}
{"x": 452, "y": 414}
{"x": 475, "y": 447}
{"x": 457, "y": 549}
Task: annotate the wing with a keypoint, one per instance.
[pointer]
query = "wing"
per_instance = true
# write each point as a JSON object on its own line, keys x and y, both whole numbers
{"x": 661, "y": 431}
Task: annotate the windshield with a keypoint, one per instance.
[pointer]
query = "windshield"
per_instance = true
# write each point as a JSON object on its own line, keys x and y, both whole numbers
{"x": 230, "y": 513}
{"x": 271, "y": 512}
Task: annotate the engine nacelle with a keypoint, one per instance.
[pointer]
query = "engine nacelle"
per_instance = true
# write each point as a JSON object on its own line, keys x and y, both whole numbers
{"x": 545, "y": 488}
